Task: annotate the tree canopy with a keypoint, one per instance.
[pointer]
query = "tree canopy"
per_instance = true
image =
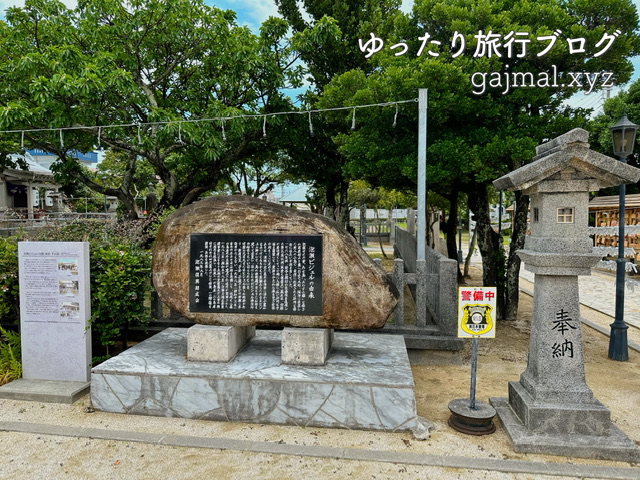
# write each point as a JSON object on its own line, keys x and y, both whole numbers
{"x": 156, "y": 67}
{"x": 626, "y": 101}
{"x": 326, "y": 33}
{"x": 478, "y": 132}
{"x": 476, "y": 138}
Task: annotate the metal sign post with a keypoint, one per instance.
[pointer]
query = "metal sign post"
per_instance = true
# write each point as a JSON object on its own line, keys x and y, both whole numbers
{"x": 476, "y": 318}
{"x": 422, "y": 173}
{"x": 474, "y": 364}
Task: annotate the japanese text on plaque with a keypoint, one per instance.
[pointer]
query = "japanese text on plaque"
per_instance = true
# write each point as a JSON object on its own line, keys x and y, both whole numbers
{"x": 246, "y": 273}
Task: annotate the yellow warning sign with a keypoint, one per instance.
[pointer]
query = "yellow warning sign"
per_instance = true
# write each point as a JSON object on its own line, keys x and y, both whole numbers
{"x": 476, "y": 312}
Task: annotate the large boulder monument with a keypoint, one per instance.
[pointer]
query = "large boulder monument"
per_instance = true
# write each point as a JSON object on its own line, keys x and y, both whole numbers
{"x": 268, "y": 255}
{"x": 233, "y": 263}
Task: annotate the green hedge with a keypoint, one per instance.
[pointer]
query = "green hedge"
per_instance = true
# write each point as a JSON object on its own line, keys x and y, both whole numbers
{"x": 9, "y": 294}
{"x": 120, "y": 282}
{"x": 120, "y": 277}
{"x": 10, "y": 357}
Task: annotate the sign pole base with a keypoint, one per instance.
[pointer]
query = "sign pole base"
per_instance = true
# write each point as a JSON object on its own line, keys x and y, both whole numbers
{"x": 471, "y": 421}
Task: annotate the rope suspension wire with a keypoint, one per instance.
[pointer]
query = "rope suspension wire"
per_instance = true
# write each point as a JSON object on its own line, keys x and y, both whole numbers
{"x": 222, "y": 120}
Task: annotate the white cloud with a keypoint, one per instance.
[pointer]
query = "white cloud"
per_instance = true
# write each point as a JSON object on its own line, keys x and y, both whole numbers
{"x": 406, "y": 6}
{"x": 261, "y": 10}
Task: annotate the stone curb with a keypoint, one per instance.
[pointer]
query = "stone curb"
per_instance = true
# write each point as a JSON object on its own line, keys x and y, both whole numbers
{"x": 441, "y": 461}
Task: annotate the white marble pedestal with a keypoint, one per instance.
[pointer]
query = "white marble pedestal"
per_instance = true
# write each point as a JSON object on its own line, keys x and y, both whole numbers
{"x": 366, "y": 383}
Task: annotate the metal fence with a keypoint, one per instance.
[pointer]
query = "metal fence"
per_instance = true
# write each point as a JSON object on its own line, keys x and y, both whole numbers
{"x": 12, "y": 221}
{"x": 372, "y": 232}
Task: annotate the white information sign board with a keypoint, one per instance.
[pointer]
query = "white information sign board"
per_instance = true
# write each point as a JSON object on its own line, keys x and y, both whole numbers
{"x": 55, "y": 309}
{"x": 476, "y": 312}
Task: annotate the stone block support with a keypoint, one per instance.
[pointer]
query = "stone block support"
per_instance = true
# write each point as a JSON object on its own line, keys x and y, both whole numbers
{"x": 209, "y": 343}
{"x": 306, "y": 346}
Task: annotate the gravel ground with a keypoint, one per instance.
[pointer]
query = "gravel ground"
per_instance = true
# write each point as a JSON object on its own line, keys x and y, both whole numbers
{"x": 46, "y": 456}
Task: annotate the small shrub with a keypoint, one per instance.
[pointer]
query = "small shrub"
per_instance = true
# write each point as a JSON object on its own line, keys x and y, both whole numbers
{"x": 10, "y": 356}
{"x": 79, "y": 231}
{"x": 9, "y": 293}
{"x": 120, "y": 281}
{"x": 157, "y": 219}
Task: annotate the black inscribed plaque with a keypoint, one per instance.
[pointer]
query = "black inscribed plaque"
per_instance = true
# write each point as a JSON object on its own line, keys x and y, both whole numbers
{"x": 255, "y": 273}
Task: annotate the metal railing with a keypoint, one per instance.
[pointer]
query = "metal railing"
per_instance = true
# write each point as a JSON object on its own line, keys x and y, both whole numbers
{"x": 372, "y": 231}
{"x": 14, "y": 220}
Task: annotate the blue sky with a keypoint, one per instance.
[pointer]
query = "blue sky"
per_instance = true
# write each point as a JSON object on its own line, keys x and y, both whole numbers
{"x": 253, "y": 12}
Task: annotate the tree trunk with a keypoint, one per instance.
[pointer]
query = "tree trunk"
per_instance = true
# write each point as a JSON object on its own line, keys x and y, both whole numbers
{"x": 379, "y": 229}
{"x": 429, "y": 233}
{"x": 128, "y": 201}
{"x": 452, "y": 227}
{"x": 433, "y": 229}
{"x": 245, "y": 179}
{"x": 344, "y": 204}
{"x": 490, "y": 246}
{"x": 124, "y": 336}
{"x": 330, "y": 198}
{"x": 472, "y": 247}
{"x": 187, "y": 198}
{"x": 518, "y": 233}
{"x": 364, "y": 241}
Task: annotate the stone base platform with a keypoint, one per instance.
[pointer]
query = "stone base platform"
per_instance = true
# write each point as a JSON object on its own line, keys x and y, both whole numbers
{"x": 50, "y": 391}
{"x": 306, "y": 346}
{"x": 615, "y": 446}
{"x": 572, "y": 414}
{"x": 209, "y": 343}
{"x": 366, "y": 383}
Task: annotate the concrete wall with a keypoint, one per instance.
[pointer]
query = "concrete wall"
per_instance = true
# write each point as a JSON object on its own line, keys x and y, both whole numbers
{"x": 405, "y": 248}
{"x": 441, "y": 281}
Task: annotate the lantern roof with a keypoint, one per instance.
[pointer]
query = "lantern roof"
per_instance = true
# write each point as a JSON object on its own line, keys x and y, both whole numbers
{"x": 570, "y": 152}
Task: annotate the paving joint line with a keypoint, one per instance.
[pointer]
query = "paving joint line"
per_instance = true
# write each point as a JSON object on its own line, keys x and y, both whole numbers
{"x": 339, "y": 453}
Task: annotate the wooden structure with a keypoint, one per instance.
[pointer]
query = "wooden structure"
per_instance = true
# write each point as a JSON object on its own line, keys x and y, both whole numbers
{"x": 20, "y": 190}
{"x": 606, "y": 210}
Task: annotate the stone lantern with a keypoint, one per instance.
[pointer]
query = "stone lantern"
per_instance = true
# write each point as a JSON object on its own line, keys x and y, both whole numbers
{"x": 551, "y": 409}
